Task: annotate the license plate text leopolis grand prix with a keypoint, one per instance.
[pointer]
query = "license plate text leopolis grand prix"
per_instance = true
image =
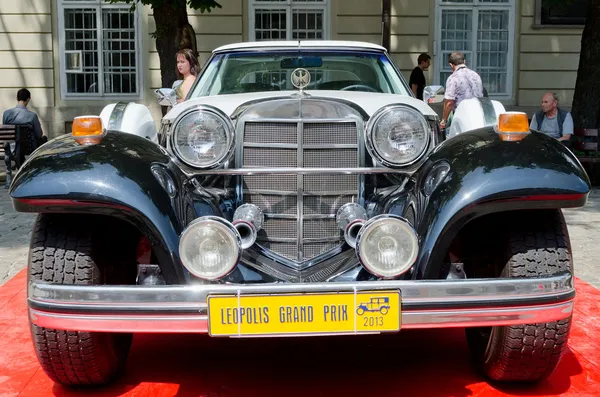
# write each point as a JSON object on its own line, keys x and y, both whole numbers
{"x": 304, "y": 314}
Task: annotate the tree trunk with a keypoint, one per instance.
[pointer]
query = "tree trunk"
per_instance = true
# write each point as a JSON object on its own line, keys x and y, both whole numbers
{"x": 586, "y": 102}
{"x": 386, "y": 11}
{"x": 173, "y": 32}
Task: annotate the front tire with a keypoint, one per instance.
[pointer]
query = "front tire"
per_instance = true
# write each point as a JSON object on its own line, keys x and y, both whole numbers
{"x": 538, "y": 246}
{"x": 63, "y": 251}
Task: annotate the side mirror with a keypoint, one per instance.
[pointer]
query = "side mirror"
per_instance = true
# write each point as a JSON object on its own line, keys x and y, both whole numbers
{"x": 166, "y": 96}
{"x": 433, "y": 94}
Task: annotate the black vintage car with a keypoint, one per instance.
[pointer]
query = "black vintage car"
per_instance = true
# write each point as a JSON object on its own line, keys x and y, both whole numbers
{"x": 300, "y": 189}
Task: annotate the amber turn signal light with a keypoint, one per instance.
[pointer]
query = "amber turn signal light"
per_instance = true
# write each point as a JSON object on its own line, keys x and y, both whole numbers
{"x": 87, "y": 130}
{"x": 512, "y": 126}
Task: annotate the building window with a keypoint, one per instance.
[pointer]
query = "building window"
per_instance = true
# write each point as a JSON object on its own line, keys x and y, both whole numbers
{"x": 288, "y": 20}
{"x": 553, "y": 12}
{"x": 484, "y": 31}
{"x": 99, "y": 49}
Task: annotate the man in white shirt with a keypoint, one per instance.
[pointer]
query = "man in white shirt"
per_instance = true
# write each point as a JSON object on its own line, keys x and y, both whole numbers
{"x": 462, "y": 84}
{"x": 551, "y": 120}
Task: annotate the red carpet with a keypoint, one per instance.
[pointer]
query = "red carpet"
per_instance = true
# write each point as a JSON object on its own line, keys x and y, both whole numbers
{"x": 412, "y": 363}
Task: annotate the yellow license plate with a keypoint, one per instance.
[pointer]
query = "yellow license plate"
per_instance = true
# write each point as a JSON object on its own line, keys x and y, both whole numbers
{"x": 301, "y": 314}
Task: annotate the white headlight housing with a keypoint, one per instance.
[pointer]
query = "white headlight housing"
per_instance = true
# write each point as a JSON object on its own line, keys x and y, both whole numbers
{"x": 387, "y": 246}
{"x": 210, "y": 247}
{"x": 397, "y": 136}
{"x": 203, "y": 137}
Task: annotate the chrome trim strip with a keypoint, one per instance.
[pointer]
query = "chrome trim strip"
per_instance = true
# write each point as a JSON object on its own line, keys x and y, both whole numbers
{"x": 115, "y": 119}
{"x": 280, "y": 216}
{"x": 301, "y": 171}
{"x": 276, "y": 240}
{"x": 309, "y": 216}
{"x": 294, "y": 120}
{"x": 292, "y": 146}
{"x": 486, "y": 317}
{"x": 322, "y": 239}
{"x": 293, "y": 240}
{"x": 238, "y": 162}
{"x": 115, "y": 297}
{"x": 271, "y": 145}
{"x": 269, "y": 192}
{"x": 288, "y": 193}
{"x": 308, "y": 119}
{"x": 489, "y": 113}
{"x": 361, "y": 142}
{"x": 198, "y": 323}
{"x": 335, "y": 146}
{"x": 425, "y": 303}
{"x": 300, "y": 188}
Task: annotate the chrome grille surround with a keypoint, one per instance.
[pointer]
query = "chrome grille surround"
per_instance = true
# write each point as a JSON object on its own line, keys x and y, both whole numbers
{"x": 325, "y": 270}
{"x": 297, "y": 133}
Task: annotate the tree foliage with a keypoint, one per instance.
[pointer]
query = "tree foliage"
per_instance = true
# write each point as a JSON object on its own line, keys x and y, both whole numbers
{"x": 173, "y": 30}
{"x": 586, "y": 100}
{"x": 201, "y": 5}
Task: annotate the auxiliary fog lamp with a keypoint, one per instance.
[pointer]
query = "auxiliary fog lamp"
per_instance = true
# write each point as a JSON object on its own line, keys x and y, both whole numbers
{"x": 210, "y": 247}
{"x": 387, "y": 246}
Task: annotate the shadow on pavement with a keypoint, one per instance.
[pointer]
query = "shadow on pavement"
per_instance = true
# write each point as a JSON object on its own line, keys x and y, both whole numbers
{"x": 413, "y": 363}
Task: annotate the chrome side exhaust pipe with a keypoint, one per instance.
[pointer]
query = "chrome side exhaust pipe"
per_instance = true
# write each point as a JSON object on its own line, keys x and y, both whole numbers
{"x": 350, "y": 218}
{"x": 248, "y": 220}
{"x": 351, "y": 232}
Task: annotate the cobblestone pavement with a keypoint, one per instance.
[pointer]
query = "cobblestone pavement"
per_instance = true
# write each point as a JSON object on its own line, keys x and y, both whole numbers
{"x": 583, "y": 224}
{"x": 584, "y": 230}
{"x": 15, "y": 233}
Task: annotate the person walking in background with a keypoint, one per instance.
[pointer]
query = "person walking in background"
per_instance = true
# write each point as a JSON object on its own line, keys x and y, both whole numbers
{"x": 20, "y": 115}
{"x": 188, "y": 68}
{"x": 462, "y": 84}
{"x": 551, "y": 120}
{"x": 417, "y": 79}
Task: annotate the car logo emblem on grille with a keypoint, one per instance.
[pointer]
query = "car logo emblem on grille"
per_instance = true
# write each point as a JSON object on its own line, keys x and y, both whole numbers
{"x": 300, "y": 78}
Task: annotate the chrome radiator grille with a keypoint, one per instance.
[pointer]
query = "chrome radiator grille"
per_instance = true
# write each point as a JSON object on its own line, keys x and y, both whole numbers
{"x": 300, "y": 209}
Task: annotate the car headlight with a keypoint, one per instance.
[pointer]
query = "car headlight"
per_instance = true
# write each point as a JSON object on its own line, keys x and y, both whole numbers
{"x": 210, "y": 247}
{"x": 387, "y": 246}
{"x": 203, "y": 138}
{"x": 397, "y": 136}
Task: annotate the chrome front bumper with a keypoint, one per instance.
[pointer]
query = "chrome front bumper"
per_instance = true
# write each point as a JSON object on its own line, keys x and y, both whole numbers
{"x": 183, "y": 309}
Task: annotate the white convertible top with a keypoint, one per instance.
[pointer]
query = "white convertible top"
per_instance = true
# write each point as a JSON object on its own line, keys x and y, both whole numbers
{"x": 299, "y": 44}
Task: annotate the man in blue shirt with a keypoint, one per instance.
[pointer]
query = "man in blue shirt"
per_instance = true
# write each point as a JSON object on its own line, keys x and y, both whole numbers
{"x": 23, "y": 116}
{"x": 552, "y": 120}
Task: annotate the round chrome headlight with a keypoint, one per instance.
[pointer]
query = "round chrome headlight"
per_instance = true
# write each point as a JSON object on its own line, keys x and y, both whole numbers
{"x": 397, "y": 136}
{"x": 387, "y": 246}
{"x": 203, "y": 138}
{"x": 210, "y": 247}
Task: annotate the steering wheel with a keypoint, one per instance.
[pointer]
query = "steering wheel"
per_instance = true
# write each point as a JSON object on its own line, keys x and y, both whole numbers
{"x": 354, "y": 87}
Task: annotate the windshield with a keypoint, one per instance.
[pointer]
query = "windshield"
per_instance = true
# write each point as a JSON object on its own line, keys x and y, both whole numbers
{"x": 245, "y": 72}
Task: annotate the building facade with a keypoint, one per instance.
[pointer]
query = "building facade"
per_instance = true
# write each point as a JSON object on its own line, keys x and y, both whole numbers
{"x": 76, "y": 56}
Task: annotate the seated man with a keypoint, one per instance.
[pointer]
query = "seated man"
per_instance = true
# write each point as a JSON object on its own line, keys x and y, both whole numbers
{"x": 552, "y": 120}
{"x": 23, "y": 116}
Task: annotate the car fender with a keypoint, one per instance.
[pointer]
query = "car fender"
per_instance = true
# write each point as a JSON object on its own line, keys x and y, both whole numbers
{"x": 132, "y": 118}
{"x": 476, "y": 173}
{"x": 124, "y": 176}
